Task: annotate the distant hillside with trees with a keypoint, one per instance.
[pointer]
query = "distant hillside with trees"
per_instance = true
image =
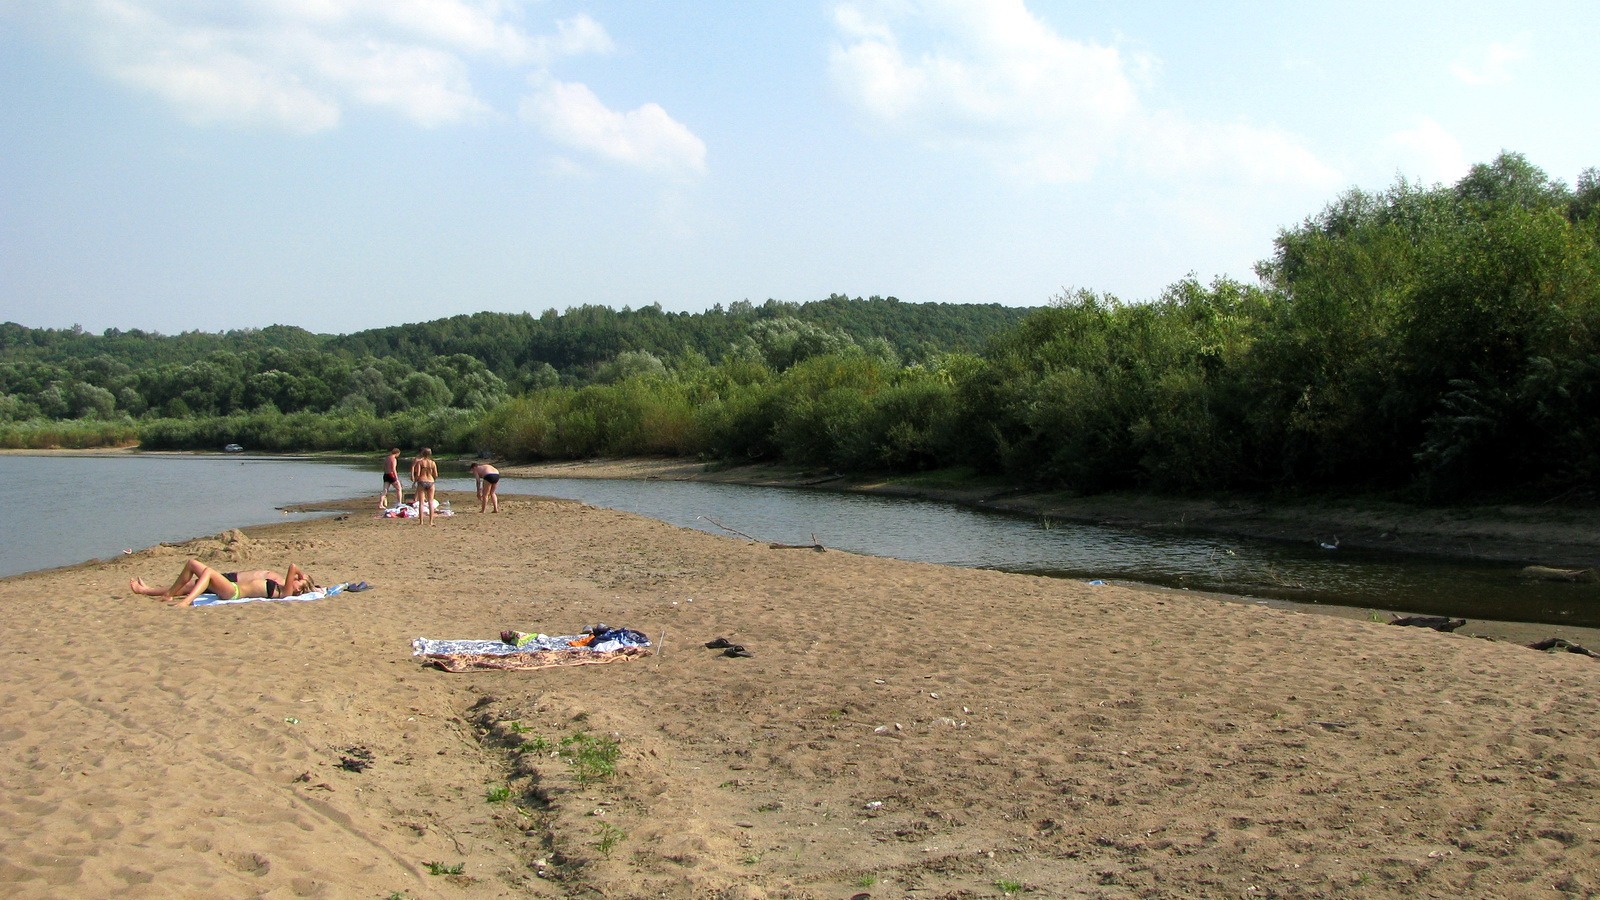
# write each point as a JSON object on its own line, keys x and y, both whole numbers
{"x": 68, "y": 387}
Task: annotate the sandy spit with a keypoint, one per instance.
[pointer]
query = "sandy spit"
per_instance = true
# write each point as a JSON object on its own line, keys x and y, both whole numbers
{"x": 900, "y": 730}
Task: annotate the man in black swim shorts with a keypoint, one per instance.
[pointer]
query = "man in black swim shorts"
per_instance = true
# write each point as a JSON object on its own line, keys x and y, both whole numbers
{"x": 488, "y": 485}
{"x": 391, "y": 478}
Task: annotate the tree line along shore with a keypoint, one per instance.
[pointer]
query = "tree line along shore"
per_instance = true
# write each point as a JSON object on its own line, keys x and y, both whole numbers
{"x": 1430, "y": 343}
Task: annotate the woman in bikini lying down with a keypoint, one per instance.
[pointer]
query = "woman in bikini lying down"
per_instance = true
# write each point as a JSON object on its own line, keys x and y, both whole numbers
{"x": 198, "y": 578}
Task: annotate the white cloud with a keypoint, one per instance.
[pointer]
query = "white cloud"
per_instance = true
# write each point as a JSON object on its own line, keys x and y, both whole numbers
{"x": 1429, "y": 153}
{"x": 426, "y": 85}
{"x": 989, "y": 77}
{"x": 646, "y": 137}
{"x": 299, "y": 65}
{"x": 1169, "y": 146}
{"x": 230, "y": 90}
{"x": 995, "y": 76}
{"x": 571, "y": 114}
{"x": 1491, "y": 65}
{"x": 576, "y": 36}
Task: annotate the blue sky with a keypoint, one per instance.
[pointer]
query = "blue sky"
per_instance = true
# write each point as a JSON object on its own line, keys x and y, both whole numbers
{"x": 175, "y": 165}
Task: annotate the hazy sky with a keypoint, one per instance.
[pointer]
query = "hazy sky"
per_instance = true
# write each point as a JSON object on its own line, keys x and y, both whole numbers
{"x": 344, "y": 164}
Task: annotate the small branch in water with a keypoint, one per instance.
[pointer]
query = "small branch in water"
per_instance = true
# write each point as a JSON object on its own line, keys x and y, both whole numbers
{"x": 814, "y": 545}
{"x": 729, "y": 530}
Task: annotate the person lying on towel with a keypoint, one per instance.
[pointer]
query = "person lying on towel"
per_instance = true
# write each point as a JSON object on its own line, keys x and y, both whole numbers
{"x": 198, "y": 578}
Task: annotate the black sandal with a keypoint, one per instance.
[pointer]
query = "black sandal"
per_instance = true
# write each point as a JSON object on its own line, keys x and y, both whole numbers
{"x": 718, "y": 644}
{"x": 737, "y": 650}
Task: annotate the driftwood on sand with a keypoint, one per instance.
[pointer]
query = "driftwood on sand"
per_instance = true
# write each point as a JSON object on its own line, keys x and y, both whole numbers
{"x": 1551, "y": 573}
{"x": 1437, "y": 623}
{"x": 1556, "y": 643}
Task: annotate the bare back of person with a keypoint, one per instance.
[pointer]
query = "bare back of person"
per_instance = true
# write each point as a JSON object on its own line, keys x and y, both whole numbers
{"x": 391, "y": 479}
{"x": 488, "y": 485}
{"x": 424, "y": 473}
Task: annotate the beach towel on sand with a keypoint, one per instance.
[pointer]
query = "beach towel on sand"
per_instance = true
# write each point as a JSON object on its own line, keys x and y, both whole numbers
{"x": 412, "y": 511}
{"x": 318, "y": 594}
{"x": 517, "y": 650}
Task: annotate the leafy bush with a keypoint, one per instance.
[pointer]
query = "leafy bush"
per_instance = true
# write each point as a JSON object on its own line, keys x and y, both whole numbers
{"x": 42, "y": 434}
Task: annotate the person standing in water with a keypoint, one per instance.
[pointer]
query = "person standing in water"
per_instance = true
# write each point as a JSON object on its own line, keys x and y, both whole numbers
{"x": 391, "y": 478}
{"x": 488, "y": 485}
{"x": 424, "y": 472}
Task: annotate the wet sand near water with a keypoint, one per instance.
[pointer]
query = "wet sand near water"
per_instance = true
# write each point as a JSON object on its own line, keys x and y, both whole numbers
{"x": 900, "y": 730}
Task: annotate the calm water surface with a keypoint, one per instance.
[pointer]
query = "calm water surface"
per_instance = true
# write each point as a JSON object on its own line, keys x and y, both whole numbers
{"x": 955, "y": 535}
{"x": 94, "y": 507}
{"x": 83, "y": 508}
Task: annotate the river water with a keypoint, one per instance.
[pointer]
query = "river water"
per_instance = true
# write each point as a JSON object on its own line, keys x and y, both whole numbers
{"x": 81, "y": 508}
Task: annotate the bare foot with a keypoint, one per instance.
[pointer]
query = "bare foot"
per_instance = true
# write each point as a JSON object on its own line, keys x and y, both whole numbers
{"x": 138, "y": 586}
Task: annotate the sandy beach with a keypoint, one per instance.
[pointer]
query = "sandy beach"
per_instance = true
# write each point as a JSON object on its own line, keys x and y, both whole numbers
{"x": 899, "y": 730}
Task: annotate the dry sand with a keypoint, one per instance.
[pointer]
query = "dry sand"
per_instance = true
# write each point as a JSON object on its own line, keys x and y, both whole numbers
{"x": 902, "y": 730}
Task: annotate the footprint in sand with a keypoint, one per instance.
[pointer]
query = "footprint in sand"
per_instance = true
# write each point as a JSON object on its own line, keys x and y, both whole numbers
{"x": 133, "y": 877}
{"x": 248, "y": 863}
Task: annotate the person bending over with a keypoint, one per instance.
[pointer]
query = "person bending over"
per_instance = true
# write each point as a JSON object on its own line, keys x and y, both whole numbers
{"x": 488, "y": 485}
{"x": 198, "y": 578}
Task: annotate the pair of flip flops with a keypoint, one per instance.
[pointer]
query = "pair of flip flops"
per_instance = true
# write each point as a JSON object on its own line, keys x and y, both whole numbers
{"x": 728, "y": 647}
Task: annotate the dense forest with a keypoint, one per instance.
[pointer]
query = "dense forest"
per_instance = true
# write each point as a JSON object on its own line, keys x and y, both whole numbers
{"x": 1440, "y": 341}
{"x": 284, "y": 388}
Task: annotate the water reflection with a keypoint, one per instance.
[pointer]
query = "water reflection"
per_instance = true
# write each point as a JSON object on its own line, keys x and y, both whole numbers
{"x": 940, "y": 533}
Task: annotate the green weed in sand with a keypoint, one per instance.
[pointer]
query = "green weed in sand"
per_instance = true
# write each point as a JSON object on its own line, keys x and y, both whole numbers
{"x": 592, "y": 758}
{"x": 498, "y": 794}
{"x": 609, "y": 836}
{"x": 439, "y": 868}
